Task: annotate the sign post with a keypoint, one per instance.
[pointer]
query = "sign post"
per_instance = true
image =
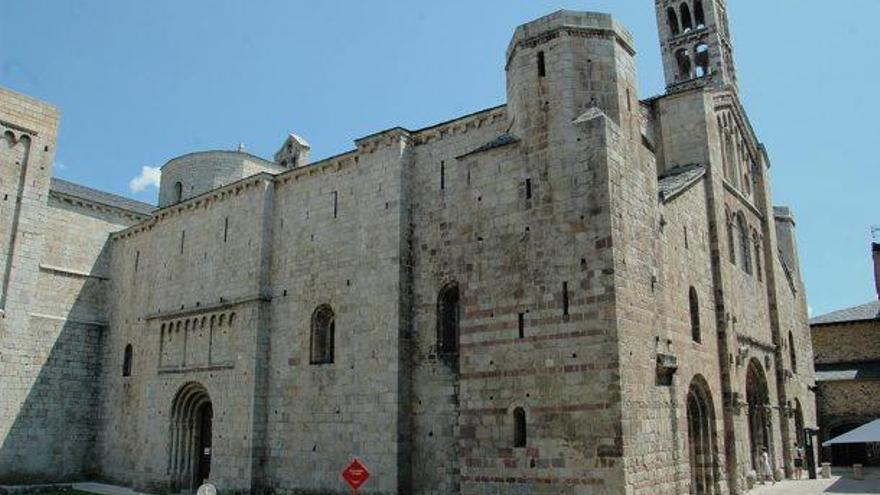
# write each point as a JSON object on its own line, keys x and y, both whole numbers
{"x": 355, "y": 475}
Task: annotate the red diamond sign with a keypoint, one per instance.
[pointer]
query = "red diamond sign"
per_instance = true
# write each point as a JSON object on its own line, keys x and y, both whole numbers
{"x": 355, "y": 474}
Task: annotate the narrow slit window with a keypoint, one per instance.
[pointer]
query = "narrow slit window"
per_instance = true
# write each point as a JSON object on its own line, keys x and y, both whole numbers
{"x": 225, "y": 229}
{"x": 182, "y": 240}
{"x": 442, "y": 175}
{"x": 746, "y": 252}
{"x": 137, "y": 261}
{"x": 126, "y": 361}
{"x": 519, "y": 428}
{"x": 528, "y": 188}
{"x": 564, "y": 298}
{"x": 542, "y": 69}
{"x": 758, "y": 259}
{"x": 448, "y": 313}
{"x": 695, "y": 315}
{"x": 335, "y": 204}
{"x": 522, "y": 325}
{"x": 731, "y": 243}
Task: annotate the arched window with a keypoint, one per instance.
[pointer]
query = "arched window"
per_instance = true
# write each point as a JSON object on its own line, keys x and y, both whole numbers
{"x": 702, "y": 62}
{"x": 731, "y": 243}
{"x": 448, "y": 314}
{"x": 758, "y": 268}
{"x": 686, "y": 23}
{"x": 323, "y": 328}
{"x": 519, "y": 428}
{"x": 178, "y": 192}
{"x": 683, "y": 62}
{"x": 791, "y": 352}
{"x": 695, "y": 315}
{"x": 126, "y": 361}
{"x": 730, "y": 156}
{"x": 744, "y": 244}
{"x": 699, "y": 15}
{"x": 672, "y": 18}
{"x": 737, "y": 163}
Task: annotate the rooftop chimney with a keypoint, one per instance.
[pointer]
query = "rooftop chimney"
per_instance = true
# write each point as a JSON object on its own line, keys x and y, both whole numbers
{"x": 875, "y": 248}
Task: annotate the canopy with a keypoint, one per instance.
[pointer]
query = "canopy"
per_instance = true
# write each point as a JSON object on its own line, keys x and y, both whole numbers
{"x": 869, "y": 433}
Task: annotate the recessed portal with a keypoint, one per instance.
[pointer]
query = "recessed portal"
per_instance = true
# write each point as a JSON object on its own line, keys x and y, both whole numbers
{"x": 190, "y": 450}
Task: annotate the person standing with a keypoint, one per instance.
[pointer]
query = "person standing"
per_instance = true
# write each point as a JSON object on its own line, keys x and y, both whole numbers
{"x": 798, "y": 461}
{"x": 765, "y": 464}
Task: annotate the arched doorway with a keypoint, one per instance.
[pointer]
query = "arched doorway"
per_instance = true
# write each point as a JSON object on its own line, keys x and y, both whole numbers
{"x": 189, "y": 456}
{"x": 702, "y": 445}
{"x": 758, "y": 398}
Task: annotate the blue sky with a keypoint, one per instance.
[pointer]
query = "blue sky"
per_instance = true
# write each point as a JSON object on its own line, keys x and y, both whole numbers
{"x": 141, "y": 82}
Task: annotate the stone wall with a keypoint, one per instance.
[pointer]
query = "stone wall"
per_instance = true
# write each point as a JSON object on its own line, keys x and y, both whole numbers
{"x": 340, "y": 241}
{"x": 847, "y": 342}
{"x": 190, "y": 295}
{"x": 848, "y": 402}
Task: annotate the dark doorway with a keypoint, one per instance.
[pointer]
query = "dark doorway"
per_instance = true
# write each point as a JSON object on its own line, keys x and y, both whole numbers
{"x": 190, "y": 446}
{"x": 204, "y": 452}
{"x": 849, "y": 454}
{"x": 758, "y": 398}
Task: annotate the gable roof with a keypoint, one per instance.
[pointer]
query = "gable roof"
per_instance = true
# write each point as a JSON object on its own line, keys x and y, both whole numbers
{"x": 865, "y": 312}
{"x": 677, "y": 179}
{"x": 66, "y": 188}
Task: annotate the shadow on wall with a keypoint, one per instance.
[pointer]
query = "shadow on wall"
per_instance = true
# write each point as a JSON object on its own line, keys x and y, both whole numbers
{"x": 50, "y": 369}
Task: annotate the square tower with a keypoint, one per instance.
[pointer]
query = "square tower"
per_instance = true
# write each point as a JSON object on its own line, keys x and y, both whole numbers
{"x": 695, "y": 43}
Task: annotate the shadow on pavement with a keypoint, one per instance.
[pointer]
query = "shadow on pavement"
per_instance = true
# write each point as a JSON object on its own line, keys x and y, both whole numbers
{"x": 860, "y": 487}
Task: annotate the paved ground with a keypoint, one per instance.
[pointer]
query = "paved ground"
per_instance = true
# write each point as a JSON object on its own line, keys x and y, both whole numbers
{"x": 102, "y": 489}
{"x": 97, "y": 488}
{"x": 839, "y": 484}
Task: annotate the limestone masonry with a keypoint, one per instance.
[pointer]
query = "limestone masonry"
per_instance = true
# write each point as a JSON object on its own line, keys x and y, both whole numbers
{"x": 577, "y": 292}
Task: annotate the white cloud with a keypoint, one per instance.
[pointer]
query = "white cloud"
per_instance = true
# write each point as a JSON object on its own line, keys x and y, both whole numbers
{"x": 149, "y": 177}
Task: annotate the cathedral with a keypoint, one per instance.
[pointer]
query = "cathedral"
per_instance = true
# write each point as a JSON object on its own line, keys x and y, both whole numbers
{"x": 579, "y": 292}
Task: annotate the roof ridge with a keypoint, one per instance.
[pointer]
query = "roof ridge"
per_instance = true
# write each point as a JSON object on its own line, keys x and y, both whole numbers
{"x": 861, "y": 312}
{"x": 69, "y": 188}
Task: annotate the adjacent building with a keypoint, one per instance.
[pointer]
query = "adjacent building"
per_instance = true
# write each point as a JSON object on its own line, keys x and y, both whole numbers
{"x": 847, "y": 352}
{"x": 576, "y": 292}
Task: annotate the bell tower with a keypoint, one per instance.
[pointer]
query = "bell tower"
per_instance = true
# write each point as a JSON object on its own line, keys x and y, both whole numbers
{"x": 695, "y": 42}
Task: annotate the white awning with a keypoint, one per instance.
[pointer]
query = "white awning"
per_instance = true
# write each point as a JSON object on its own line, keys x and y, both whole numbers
{"x": 869, "y": 433}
